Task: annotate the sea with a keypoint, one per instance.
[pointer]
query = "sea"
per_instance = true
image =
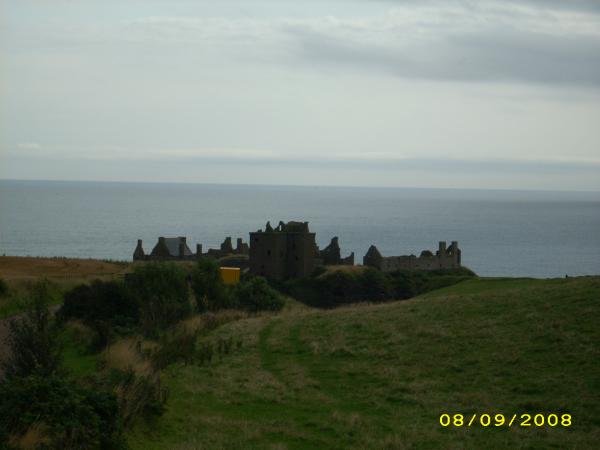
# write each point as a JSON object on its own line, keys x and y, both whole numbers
{"x": 501, "y": 233}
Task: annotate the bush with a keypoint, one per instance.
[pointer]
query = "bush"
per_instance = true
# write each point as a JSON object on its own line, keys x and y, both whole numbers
{"x": 256, "y": 295}
{"x": 162, "y": 294}
{"x": 210, "y": 291}
{"x": 67, "y": 415}
{"x": 3, "y": 288}
{"x": 102, "y": 306}
{"x": 33, "y": 338}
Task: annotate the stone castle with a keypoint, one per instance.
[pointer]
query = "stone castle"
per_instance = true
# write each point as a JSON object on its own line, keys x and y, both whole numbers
{"x": 290, "y": 251}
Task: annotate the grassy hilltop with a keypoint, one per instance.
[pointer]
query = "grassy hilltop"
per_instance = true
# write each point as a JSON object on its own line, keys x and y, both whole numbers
{"x": 379, "y": 376}
{"x": 217, "y": 374}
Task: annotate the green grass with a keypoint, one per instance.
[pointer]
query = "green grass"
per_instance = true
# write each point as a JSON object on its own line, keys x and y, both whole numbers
{"x": 15, "y": 298}
{"x": 379, "y": 376}
{"x": 77, "y": 358}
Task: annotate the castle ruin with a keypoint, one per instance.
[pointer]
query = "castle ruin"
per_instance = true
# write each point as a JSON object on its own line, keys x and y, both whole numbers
{"x": 444, "y": 258}
{"x": 176, "y": 249}
{"x": 290, "y": 251}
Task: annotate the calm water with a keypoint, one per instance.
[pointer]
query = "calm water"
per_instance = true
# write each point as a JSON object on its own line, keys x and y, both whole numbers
{"x": 540, "y": 234}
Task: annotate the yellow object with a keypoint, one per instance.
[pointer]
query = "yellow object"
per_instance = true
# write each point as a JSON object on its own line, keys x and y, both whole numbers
{"x": 230, "y": 275}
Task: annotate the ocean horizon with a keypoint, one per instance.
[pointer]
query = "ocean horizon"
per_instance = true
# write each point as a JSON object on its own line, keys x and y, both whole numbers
{"x": 500, "y": 232}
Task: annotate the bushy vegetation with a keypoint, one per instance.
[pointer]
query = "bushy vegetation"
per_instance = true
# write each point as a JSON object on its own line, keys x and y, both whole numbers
{"x": 210, "y": 291}
{"x": 251, "y": 294}
{"x": 39, "y": 404}
{"x": 58, "y": 414}
{"x": 33, "y": 338}
{"x": 153, "y": 297}
{"x": 162, "y": 293}
{"x": 103, "y": 306}
{"x": 256, "y": 295}
{"x": 17, "y": 296}
{"x": 3, "y": 288}
{"x": 338, "y": 287}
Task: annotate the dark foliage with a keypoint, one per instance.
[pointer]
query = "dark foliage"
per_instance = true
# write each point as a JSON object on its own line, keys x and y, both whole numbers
{"x": 3, "y": 288}
{"x": 256, "y": 295}
{"x": 71, "y": 417}
{"x": 210, "y": 291}
{"x": 340, "y": 287}
{"x": 162, "y": 293}
{"x": 102, "y": 305}
{"x": 407, "y": 284}
{"x": 101, "y": 301}
{"x": 33, "y": 338}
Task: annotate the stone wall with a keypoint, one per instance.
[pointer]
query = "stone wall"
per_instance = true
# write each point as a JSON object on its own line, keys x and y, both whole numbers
{"x": 444, "y": 258}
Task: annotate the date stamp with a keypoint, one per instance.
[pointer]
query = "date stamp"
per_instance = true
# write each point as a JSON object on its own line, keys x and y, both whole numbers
{"x": 485, "y": 420}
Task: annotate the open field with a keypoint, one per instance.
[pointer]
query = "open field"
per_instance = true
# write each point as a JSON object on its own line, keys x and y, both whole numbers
{"x": 379, "y": 376}
{"x": 18, "y": 268}
{"x": 63, "y": 273}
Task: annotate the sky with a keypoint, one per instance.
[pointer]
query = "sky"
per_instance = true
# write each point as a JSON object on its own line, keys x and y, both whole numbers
{"x": 441, "y": 94}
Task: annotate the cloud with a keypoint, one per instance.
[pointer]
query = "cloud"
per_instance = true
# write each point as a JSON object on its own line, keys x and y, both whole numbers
{"x": 480, "y": 41}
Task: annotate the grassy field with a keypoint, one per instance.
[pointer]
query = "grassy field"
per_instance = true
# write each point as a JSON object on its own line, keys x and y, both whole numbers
{"x": 379, "y": 376}
{"x": 64, "y": 273}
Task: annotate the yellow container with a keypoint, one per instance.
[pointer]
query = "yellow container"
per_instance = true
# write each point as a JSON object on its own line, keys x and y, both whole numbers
{"x": 230, "y": 275}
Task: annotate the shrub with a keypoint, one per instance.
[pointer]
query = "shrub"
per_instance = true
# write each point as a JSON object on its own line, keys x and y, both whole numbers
{"x": 210, "y": 291}
{"x": 101, "y": 300}
{"x": 162, "y": 294}
{"x": 67, "y": 415}
{"x": 256, "y": 295}
{"x": 3, "y": 288}
{"x": 33, "y": 338}
{"x": 101, "y": 305}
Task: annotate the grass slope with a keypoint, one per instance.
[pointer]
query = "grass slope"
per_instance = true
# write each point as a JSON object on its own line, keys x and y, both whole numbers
{"x": 379, "y": 376}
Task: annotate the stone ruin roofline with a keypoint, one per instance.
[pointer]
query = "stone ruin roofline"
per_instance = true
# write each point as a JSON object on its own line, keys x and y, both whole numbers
{"x": 291, "y": 227}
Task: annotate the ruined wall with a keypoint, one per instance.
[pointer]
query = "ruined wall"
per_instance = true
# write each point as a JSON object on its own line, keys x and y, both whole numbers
{"x": 443, "y": 259}
{"x": 331, "y": 255}
{"x": 166, "y": 250}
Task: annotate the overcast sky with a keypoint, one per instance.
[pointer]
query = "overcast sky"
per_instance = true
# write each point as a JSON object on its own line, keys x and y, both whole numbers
{"x": 465, "y": 94}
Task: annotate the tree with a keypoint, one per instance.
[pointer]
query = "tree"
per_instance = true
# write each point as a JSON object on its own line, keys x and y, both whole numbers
{"x": 162, "y": 293}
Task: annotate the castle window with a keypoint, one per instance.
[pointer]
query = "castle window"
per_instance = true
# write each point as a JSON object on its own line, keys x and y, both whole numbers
{"x": 297, "y": 258}
{"x": 268, "y": 252}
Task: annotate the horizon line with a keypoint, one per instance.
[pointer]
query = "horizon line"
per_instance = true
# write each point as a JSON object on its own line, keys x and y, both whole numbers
{"x": 299, "y": 185}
